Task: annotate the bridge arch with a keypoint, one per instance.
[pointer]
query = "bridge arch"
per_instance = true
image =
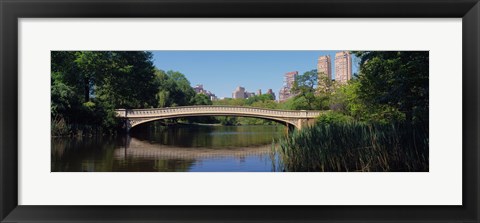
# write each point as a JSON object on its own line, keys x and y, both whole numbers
{"x": 288, "y": 124}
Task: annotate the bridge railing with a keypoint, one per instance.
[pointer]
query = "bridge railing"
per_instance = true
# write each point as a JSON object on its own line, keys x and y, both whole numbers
{"x": 216, "y": 110}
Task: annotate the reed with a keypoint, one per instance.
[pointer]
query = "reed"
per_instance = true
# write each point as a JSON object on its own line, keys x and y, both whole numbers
{"x": 59, "y": 127}
{"x": 353, "y": 146}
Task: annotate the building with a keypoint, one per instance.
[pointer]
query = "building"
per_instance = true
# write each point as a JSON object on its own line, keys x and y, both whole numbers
{"x": 239, "y": 92}
{"x": 286, "y": 91}
{"x": 324, "y": 67}
{"x": 259, "y": 92}
{"x": 271, "y": 93}
{"x": 213, "y": 97}
{"x": 249, "y": 94}
{"x": 290, "y": 77}
{"x": 283, "y": 94}
{"x": 324, "y": 72}
{"x": 199, "y": 90}
{"x": 343, "y": 67}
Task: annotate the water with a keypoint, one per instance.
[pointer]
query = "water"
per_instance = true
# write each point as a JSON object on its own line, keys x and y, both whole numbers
{"x": 179, "y": 148}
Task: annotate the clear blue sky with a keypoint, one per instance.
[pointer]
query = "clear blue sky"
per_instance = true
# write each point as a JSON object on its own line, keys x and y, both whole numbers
{"x": 222, "y": 71}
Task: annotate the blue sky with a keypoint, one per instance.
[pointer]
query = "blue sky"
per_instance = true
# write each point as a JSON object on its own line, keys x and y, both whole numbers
{"x": 222, "y": 71}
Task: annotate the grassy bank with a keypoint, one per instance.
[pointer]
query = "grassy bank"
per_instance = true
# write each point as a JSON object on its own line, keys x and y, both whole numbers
{"x": 60, "y": 128}
{"x": 355, "y": 147}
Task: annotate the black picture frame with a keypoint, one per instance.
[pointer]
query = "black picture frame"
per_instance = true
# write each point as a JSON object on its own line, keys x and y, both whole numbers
{"x": 11, "y": 11}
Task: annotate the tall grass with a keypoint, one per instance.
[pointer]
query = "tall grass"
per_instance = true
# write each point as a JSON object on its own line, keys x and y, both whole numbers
{"x": 60, "y": 127}
{"x": 354, "y": 147}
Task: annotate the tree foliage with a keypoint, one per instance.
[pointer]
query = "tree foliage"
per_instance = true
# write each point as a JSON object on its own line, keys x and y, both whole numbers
{"x": 86, "y": 86}
{"x": 174, "y": 89}
{"x": 201, "y": 99}
{"x": 307, "y": 94}
{"x": 395, "y": 83}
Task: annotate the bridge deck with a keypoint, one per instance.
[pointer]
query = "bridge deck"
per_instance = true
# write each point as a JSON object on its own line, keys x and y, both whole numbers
{"x": 215, "y": 110}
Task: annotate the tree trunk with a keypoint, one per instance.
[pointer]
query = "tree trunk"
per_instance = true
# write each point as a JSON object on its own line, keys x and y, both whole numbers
{"x": 86, "y": 89}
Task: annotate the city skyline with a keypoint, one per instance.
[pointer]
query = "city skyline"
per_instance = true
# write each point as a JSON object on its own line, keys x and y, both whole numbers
{"x": 221, "y": 72}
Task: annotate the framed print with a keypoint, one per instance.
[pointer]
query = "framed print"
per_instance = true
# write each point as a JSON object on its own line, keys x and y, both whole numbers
{"x": 239, "y": 111}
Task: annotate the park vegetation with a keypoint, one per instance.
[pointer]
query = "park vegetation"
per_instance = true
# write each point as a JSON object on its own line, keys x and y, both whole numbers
{"x": 377, "y": 122}
{"x": 87, "y": 87}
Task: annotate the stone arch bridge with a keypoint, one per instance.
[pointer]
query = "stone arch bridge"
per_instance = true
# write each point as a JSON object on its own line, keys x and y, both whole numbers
{"x": 295, "y": 118}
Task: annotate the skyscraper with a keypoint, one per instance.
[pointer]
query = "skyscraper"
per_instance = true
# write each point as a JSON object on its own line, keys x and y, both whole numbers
{"x": 286, "y": 91}
{"x": 271, "y": 93}
{"x": 239, "y": 92}
{"x": 343, "y": 67}
{"x": 324, "y": 70}
{"x": 324, "y": 66}
{"x": 290, "y": 77}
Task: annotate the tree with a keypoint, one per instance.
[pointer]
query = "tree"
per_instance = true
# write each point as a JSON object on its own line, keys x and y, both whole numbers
{"x": 164, "y": 87}
{"x": 183, "y": 93}
{"x": 305, "y": 90}
{"x": 62, "y": 96}
{"x": 130, "y": 82}
{"x": 270, "y": 104}
{"x": 345, "y": 100}
{"x": 87, "y": 86}
{"x": 92, "y": 67}
{"x": 231, "y": 102}
{"x": 201, "y": 99}
{"x": 396, "y": 82}
{"x": 258, "y": 98}
{"x": 174, "y": 89}
{"x": 325, "y": 84}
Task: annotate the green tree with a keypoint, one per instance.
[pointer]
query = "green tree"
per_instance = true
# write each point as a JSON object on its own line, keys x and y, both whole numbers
{"x": 395, "y": 82}
{"x": 306, "y": 93}
{"x": 231, "y": 102}
{"x": 164, "y": 88}
{"x": 182, "y": 93}
{"x": 130, "y": 82}
{"x": 201, "y": 99}
{"x": 345, "y": 100}
{"x": 92, "y": 68}
{"x": 174, "y": 89}
{"x": 325, "y": 85}
{"x": 86, "y": 86}
{"x": 258, "y": 98}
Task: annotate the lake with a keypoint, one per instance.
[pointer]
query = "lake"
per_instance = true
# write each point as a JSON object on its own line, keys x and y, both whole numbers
{"x": 175, "y": 148}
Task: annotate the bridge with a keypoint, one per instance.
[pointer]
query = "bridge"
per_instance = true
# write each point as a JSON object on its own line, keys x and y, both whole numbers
{"x": 295, "y": 118}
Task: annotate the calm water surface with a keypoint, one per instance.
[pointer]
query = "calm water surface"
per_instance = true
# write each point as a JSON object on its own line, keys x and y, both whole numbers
{"x": 184, "y": 148}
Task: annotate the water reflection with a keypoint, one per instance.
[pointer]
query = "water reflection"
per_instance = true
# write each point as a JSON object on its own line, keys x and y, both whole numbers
{"x": 168, "y": 149}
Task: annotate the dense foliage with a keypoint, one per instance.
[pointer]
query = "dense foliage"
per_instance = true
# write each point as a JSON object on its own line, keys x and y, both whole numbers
{"x": 377, "y": 122}
{"x": 86, "y": 87}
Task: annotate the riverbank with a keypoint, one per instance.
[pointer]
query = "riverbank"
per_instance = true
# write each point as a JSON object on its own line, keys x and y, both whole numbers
{"x": 345, "y": 147}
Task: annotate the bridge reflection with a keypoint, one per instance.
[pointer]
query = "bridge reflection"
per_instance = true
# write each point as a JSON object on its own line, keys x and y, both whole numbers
{"x": 135, "y": 148}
